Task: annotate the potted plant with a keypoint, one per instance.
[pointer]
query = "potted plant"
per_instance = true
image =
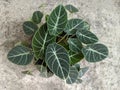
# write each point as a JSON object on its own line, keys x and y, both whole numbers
{"x": 59, "y": 45}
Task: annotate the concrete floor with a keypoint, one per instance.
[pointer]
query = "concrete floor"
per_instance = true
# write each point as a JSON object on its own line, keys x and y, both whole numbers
{"x": 104, "y": 18}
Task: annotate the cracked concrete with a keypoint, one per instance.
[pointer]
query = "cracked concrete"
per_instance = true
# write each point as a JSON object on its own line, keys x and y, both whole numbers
{"x": 104, "y": 18}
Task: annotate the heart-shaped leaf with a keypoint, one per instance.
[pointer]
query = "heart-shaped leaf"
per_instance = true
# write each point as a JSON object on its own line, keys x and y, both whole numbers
{"x": 29, "y": 27}
{"x": 75, "y": 57}
{"x": 86, "y": 36}
{"x": 40, "y": 41}
{"x": 74, "y": 45}
{"x": 57, "y": 20}
{"x": 83, "y": 71}
{"x": 71, "y": 8}
{"x": 95, "y": 52}
{"x": 20, "y": 55}
{"x": 73, "y": 75}
{"x": 76, "y": 24}
{"x": 37, "y": 16}
{"x": 57, "y": 60}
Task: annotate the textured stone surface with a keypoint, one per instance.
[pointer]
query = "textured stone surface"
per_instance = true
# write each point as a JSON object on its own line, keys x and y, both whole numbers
{"x": 104, "y": 18}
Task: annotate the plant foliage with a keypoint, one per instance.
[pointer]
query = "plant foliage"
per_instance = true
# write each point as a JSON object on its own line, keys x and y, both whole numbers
{"x": 58, "y": 45}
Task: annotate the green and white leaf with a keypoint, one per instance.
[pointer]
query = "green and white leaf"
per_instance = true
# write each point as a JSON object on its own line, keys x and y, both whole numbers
{"x": 76, "y": 24}
{"x": 75, "y": 57}
{"x": 71, "y": 8}
{"x": 86, "y": 36}
{"x": 57, "y": 20}
{"x": 95, "y": 52}
{"x": 83, "y": 71}
{"x": 57, "y": 60}
{"x": 74, "y": 45}
{"x": 40, "y": 41}
{"x": 37, "y": 16}
{"x": 20, "y": 55}
{"x": 73, "y": 75}
{"x": 29, "y": 28}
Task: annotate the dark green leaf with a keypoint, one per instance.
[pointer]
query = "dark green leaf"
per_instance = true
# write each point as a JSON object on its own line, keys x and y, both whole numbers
{"x": 83, "y": 71}
{"x": 20, "y": 55}
{"x": 74, "y": 45}
{"x": 64, "y": 45}
{"x": 75, "y": 57}
{"x": 29, "y": 27}
{"x": 40, "y": 41}
{"x": 95, "y": 52}
{"x": 76, "y": 24}
{"x": 73, "y": 75}
{"x": 86, "y": 36}
{"x": 37, "y": 16}
{"x": 57, "y": 60}
{"x": 71, "y": 8}
{"x": 57, "y": 20}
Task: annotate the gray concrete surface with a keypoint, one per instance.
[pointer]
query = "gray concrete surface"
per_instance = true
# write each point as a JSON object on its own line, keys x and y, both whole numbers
{"x": 104, "y": 18}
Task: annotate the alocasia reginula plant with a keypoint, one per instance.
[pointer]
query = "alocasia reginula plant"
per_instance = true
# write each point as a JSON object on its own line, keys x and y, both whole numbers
{"x": 59, "y": 45}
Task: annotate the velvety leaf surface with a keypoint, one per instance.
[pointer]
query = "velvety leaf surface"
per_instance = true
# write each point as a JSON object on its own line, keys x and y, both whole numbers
{"x": 73, "y": 75}
{"x": 57, "y": 60}
{"x": 57, "y": 20}
{"x": 71, "y": 8}
{"x": 37, "y": 16}
{"x": 95, "y": 52}
{"x": 86, "y": 36}
{"x": 40, "y": 41}
{"x": 74, "y": 45}
{"x": 20, "y": 55}
{"x": 29, "y": 27}
{"x": 76, "y": 24}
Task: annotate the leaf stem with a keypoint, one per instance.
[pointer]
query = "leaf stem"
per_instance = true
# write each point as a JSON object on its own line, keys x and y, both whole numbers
{"x": 62, "y": 38}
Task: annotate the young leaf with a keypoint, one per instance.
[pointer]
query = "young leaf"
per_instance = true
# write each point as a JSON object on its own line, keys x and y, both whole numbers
{"x": 76, "y": 24}
{"x": 29, "y": 27}
{"x": 71, "y": 8}
{"x": 83, "y": 71}
{"x": 73, "y": 75}
{"x": 20, "y": 55}
{"x": 86, "y": 37}
{"x": 75, "y": 57}
{"x": 57, "y": 20}
{"x": 74, "y": 45}
{"x": 95, "y": 52}
{"x": 57, "y": 60}
{"x": 37, "y": 16}
{"x": 40, "y": 41}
